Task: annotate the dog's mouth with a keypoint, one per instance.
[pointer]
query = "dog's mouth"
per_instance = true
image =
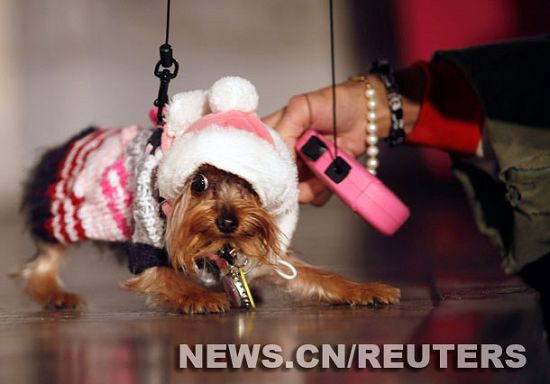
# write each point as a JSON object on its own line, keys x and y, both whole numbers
{"x": 213, "y": 266}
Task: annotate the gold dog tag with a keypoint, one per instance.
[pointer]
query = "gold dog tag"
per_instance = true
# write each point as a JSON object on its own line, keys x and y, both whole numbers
{"x": 237, "y": 289}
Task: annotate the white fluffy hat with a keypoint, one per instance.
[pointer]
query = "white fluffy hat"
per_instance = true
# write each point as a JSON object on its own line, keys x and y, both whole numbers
{"x": 220, "y": 127}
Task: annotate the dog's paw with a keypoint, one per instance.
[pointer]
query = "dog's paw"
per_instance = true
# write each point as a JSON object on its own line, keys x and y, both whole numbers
{"x": 60, "y": 300}
{"x": 371, "y": 293}
{"x": 207, "y": 302}
{"x": 170, "y": 290}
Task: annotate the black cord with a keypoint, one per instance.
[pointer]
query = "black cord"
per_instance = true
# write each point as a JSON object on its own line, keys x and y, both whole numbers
{"x": 167, "y": 21}
{"x": 333, "y": 74}
{"x": 166, "y": 69}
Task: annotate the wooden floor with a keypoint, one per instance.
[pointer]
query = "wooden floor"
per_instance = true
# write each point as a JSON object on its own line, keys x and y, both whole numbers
{"x": 118, "y": 340}
{"x": 128, "y": 344}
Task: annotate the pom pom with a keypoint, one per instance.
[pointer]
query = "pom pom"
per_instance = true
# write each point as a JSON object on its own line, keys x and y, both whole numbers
{"x": 233, "y": 94}
{"x": 184, "y": 109}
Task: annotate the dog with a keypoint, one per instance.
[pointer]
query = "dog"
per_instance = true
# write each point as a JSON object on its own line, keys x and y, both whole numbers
{"x": 208, "y": 209}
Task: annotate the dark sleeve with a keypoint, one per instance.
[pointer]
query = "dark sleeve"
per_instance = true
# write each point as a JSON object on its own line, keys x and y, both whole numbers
{"x": 512, "y": 204}
{"x": 511, "y": 78}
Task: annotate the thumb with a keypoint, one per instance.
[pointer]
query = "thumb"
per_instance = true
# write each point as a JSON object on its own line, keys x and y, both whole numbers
{"x": 291, "y": 121}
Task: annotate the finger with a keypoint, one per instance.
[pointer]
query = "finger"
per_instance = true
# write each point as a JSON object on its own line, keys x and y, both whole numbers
{"x": 354, "y": 146}
{"x": 306, "y": 176}
{"x": 304, "y": 173}
{"x": 295, "y": 120}
{"x": 310, "y": 189}
{"x": 296, "y": 117}
{"x": 322, "y": 198}
{"x": 274, "y": 119}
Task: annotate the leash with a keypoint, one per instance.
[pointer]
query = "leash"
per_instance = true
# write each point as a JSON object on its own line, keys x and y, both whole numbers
{"x": 167, "y": 62}
{"x": 333, "y": 77}
{"x": 166, "y": 69}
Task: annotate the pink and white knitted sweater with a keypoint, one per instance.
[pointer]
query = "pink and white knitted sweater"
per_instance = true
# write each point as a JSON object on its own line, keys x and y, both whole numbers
{"x": 93, "y": 191}
{"x": 100, "y": 185}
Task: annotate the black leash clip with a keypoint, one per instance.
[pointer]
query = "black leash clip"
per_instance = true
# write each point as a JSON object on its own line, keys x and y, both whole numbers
{"x": 166, "y": 61}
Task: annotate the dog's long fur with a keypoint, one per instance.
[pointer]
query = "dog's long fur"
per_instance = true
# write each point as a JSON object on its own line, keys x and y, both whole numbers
{"x": 191, "y": 234}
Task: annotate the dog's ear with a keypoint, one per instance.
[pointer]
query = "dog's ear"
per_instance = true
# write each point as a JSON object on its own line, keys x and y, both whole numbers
{"x": 184, "y": 109}
{"x": 166, "y": 207}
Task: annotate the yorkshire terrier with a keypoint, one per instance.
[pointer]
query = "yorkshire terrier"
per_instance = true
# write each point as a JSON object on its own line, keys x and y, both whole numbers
{"x": 216, "y": 220}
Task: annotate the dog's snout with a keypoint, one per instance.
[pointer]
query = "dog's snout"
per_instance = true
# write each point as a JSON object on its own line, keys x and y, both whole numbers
{"x": 227, "y": 222}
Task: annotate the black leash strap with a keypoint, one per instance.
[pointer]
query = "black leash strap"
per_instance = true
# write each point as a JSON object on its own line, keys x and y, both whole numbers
{"x": 170, "y": 68}
{"x": 333, "y": 78}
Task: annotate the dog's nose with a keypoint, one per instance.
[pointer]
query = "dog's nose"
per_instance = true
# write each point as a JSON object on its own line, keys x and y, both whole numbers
{"x": 227, "y": 222}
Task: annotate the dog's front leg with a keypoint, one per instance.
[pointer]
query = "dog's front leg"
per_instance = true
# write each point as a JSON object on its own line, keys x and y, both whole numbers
{"x": 317, "y": 285}
{"x": 173, "y": 290}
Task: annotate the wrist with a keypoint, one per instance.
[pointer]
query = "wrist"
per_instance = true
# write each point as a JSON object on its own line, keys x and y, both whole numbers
{"x": 411, "y": 82}
{"x": 376, "y": 111}
{"x": 383, "y": 115}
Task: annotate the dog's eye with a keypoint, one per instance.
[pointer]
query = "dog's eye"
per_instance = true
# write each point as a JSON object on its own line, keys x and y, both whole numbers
{"x": 199, "y": 184}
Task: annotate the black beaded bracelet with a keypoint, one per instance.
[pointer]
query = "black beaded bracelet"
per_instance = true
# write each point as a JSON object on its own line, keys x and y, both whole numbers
{"x": 383, "y": 69}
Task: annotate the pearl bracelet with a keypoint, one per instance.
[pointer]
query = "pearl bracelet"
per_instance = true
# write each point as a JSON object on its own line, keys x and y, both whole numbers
{"x": 372, "y": 162}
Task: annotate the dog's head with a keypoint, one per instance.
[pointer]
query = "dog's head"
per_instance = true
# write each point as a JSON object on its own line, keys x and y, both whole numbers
{"x": 217, "y": 221}
{"x": 230, "y": 180}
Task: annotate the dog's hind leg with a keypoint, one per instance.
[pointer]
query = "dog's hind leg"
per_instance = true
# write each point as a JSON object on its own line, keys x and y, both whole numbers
{"x": 41, "y": 281}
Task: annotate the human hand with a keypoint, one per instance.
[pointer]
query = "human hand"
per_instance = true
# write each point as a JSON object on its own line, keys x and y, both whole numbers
{"x": 313, "y": 110}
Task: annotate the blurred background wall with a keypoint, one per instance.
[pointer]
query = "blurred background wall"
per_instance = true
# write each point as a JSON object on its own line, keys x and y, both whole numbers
{"x": 66, "y": 64}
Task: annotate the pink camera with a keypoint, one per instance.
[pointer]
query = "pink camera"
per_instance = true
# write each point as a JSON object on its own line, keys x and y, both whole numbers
{"x": 359, "y": 189}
